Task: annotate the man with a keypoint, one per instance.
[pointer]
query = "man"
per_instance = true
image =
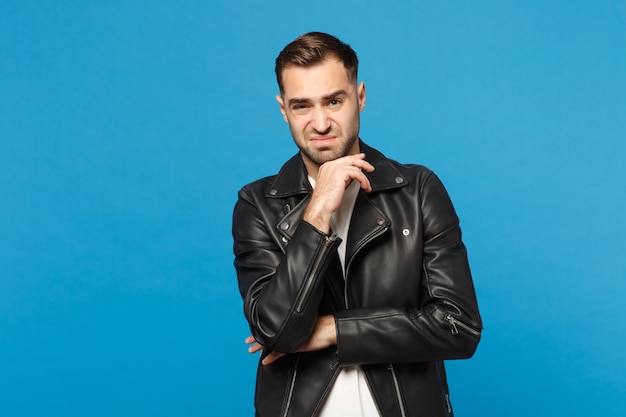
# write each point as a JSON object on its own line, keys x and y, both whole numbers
{"x": 354, "y": 277}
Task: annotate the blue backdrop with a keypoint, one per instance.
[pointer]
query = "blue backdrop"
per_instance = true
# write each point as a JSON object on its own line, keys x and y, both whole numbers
{"x": 127, "y": 128}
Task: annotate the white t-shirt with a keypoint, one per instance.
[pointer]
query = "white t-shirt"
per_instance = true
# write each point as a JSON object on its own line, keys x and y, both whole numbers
{"x": 350, "y": 395}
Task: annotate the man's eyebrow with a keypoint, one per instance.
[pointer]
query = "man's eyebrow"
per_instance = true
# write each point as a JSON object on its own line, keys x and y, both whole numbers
{"x": 331, "y": 96}
{"x": 294, "y": 101}
{"x": 335, "y": 95}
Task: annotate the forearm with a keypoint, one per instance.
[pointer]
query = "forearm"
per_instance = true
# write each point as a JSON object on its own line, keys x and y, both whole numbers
{"x": 391, "y": 335}
{"x": 282, "y": 302}
{"x": 442, "y": 321}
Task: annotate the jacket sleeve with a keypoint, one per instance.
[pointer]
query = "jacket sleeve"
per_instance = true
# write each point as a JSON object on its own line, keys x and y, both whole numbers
{"x": 281, "y": 289}
{"x": 446, "y": 324}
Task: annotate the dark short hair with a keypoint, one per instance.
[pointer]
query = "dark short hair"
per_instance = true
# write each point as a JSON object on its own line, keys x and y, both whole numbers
{"x": 312, "y": 49}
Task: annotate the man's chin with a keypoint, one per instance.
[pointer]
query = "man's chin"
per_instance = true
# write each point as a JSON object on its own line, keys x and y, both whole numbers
{"x": 322, "y": 156}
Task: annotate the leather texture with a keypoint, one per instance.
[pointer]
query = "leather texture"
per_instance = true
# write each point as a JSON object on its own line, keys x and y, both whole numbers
{"x": 407, "y": 303}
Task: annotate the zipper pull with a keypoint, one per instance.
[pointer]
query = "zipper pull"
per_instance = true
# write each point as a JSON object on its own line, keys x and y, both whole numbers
{"x": 459, "y": 323}
{"x": 454, "y": 329}
{"x": 330, "y": 240}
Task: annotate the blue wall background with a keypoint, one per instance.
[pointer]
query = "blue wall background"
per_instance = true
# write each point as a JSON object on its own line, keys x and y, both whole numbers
{"x": 127, "y": 128}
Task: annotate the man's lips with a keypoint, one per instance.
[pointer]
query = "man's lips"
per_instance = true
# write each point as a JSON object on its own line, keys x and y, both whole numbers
{"x": 322, "y": 138}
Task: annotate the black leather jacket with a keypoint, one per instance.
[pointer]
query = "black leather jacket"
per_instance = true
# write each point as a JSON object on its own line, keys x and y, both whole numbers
{"x": 407, "y": 303}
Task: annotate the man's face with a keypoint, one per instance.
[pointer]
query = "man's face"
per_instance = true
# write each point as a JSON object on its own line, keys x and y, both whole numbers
{"x": 322, "y": 107}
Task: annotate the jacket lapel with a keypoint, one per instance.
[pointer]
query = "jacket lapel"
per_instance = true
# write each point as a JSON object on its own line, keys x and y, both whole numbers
{"x": 367, "y": 222}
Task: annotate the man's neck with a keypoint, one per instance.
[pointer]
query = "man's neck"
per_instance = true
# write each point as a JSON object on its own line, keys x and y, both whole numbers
{"x": 311, "y": 167}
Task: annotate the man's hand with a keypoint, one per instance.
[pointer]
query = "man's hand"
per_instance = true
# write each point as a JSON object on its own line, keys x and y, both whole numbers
{"x": 324, "y": 335}
{"x": 332, "y": 180}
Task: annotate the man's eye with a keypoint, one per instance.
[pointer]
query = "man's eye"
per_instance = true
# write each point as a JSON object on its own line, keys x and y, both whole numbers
{"x": 335, "y": 102}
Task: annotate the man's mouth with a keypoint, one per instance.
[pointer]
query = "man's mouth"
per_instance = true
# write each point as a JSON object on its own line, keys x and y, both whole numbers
{"x": 322, "y": 138}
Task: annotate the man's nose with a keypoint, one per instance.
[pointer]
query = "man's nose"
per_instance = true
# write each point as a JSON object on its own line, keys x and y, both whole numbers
{"x": 320, "y": 120}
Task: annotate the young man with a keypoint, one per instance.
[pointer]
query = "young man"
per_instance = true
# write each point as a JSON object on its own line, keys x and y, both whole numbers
{"x": 354, "y": 277}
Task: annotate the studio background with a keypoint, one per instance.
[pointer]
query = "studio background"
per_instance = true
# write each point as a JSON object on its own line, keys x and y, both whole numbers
{"x": 127, "y": 128}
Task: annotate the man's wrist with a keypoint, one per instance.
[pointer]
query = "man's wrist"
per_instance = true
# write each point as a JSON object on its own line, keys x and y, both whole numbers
{"x": 320, "y": 222}
{"x": 330, "y": 329}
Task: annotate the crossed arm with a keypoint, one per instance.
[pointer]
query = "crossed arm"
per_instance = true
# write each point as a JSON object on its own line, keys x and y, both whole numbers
{"x": 324, "y": 335}
{"x": 332, "y": 180}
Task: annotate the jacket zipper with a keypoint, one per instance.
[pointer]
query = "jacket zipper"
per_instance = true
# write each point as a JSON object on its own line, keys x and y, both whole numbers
{"x": 308, "y": 282}
{"x": 291, "y": 386}
{"x": 333, "y": 367}
{"x": 443, "y": 390}
{"x": 458, "y": 323}
{"x": 396, "y": 385}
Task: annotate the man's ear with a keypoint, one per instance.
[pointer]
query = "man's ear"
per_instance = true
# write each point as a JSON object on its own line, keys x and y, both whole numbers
{"x": 361, "y": 95}
{"x": 281, "y": 105}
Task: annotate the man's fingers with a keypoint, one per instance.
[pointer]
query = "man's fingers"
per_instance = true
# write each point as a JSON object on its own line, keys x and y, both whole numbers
{"x": 357, "y": 160}
{"x": 349, "y": 168}
{"x": 364, "y": 165}
{"x": 364, "y": 182}
{"x": 255, "y": 348}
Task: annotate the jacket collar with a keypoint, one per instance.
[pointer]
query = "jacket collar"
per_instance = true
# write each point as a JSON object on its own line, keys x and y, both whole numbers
{"x": 292, "y": 179}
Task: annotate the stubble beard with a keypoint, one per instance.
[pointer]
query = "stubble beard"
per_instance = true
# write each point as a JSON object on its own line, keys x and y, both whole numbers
{"x": 320, "y": 156}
